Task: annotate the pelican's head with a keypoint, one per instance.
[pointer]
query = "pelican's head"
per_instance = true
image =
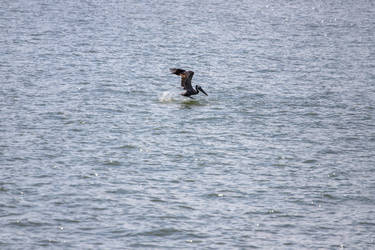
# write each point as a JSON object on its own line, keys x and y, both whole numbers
{"x": 199, "y": 88}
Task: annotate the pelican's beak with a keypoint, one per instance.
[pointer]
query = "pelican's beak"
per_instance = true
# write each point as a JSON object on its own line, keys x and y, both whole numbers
{"x": 204, "y": 92}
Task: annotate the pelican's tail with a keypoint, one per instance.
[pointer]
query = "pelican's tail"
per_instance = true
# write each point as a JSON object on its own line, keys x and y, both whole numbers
{"x": 177, "y": 71}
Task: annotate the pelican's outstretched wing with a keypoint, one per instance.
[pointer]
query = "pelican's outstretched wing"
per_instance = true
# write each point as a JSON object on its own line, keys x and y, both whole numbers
{"x": 179, "y": 72}
{"x": 186, "y": 77}
{"x": 189, "y": 76}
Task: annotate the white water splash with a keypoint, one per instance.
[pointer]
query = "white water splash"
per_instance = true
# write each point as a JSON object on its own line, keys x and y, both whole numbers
{"x": 167, "y": 97}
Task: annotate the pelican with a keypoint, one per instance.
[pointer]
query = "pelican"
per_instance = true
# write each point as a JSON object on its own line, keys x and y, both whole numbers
{"x": 186, "y": 77}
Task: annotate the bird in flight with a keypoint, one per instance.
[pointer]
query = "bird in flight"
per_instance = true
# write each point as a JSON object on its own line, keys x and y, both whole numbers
{"x": 186, "y": 77}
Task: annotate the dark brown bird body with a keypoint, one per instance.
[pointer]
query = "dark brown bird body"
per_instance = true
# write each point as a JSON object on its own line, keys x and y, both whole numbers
{"x": 186, "y": 77}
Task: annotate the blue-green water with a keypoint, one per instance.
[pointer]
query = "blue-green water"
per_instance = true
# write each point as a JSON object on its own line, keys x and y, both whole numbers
{"x": 99, "y": 151}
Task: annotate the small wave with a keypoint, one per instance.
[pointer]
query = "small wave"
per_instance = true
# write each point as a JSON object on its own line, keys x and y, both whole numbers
{"x": 162, "y": 232}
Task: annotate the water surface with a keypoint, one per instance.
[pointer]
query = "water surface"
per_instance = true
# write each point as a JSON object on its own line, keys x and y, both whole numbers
{"x": 99, "y": 150}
